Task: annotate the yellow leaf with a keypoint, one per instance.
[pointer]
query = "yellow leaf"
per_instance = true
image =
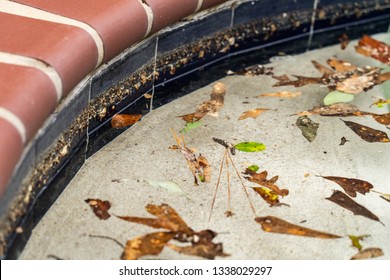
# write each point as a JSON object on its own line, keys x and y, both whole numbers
{"x": 253, "y": 113}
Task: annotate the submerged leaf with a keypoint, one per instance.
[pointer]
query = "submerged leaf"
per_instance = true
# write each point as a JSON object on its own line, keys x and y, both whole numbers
{"x": 356, "y": 240}
{"x": 308, "y": 127}
{"x": 99, "y": 207}
{"x": 337, "y": 97}
{"x": 346, "y": 202}
{"x": 281, "y": 94}
{"x": 253, "y": 113}
{"x": 368, "y": 253}
{"x": 169, "y": 185}
{"x": 149, "y": 244}
{"x": 367, "y": 133}
{"x": 350, "y": 185}
{"x": 189, "y": 126}
{"x": 276, "y": 225}
{"x": 124, "y": 120}
{"x": 250, "y": 147}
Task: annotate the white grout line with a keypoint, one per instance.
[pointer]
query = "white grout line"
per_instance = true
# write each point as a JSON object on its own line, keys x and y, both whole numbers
{"x": 20, "y": 60}
{"x": 13, "y": 8}
{"x": 15, "y": 122}
{"x": 150, "y": 16}
{"x": 200, "y": 3}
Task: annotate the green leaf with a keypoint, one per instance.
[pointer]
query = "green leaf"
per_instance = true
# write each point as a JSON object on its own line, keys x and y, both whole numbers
{"x": 338, "y": 97}
{"x": 254, "y": 168}
{"x": 250, "y": 147}
{"x": 356, "y": 240}
{"x": 189, "y": 126}
{"x": 169, "y": 185}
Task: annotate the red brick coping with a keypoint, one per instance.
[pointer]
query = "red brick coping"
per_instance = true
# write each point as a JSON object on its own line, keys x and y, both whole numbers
{"x": 48, "y": 46}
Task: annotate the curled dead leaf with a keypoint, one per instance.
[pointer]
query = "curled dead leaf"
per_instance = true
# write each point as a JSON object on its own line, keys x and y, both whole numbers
{"x": 261, "y": 179}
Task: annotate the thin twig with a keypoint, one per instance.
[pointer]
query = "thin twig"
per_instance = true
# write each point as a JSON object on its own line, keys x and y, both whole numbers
{"x": 109, "y": 238}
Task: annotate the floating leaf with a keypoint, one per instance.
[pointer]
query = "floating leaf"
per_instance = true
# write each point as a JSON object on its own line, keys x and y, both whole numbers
{"x": 169, "y": 185}
{"x": 261, "y": 179}
{"x": 281, "y": 94}
{"x": 254, "y": 113}
{"x": 210, "y": 107}
{"x": 370, "y": 47}
{"x": 346, "y": 202}
{"x": 367, "y": 133}
{"x": 350, "y": 185}
{"x": 368, "y": 253}
{"x": 149, "y": 244}
{"x": 308, "y": 127}
{"x": 190, "y": 125}
{"x": 337, "y": 97}
{"x": 356, "y": 240}
{"x": 99, "y": 207}
{"x": 250, "y": 147}
{"x": 276, "y": 225}
{"x": 124, "y": 120}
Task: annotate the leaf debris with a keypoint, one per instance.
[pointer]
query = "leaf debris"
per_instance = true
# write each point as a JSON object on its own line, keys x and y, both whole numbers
{"x": 308, "y": 127}
{"x": 99, "y": 207}
{"x": 368, "y": 254}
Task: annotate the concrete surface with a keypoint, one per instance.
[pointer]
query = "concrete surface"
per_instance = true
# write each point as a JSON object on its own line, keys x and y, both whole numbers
{"x": 141, "y": 154}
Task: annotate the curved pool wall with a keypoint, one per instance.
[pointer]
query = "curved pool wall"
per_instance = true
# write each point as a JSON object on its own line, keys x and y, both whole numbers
{"x": 96, "y": 59}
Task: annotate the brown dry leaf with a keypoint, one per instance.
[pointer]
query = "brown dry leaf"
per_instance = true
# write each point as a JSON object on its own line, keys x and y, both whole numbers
{"x": 356, "y": 84}
{"x": 99, "y": 207}
{"x": 261, "y": 179}
{"x": 210, "y": 107}
{"x": 367, "y": 133}
{"x": 341, "y": 65}
{"x": 368, "y": 253}
{"x": 254, "y": 113}
{"x": 321, "y": 68}
{"x": 370, "y": 47}
{"x": 344, "y": 41}
{"x": 281, "y": 94}
{"x": 153, "y": 243}
{"x": 382, "y": 118}
{"x": 268, "y": 195}
{"x": 167, "y": 218}
{"x": 149, "y": 244}
{"x": 276, "y": 225}
{"x": 350, "y": 185}
{"x": 205, "y": 172}
{"x": 346, "y": 202}
{"x": 299, "y": 82}
{"x": 124, "y": 120}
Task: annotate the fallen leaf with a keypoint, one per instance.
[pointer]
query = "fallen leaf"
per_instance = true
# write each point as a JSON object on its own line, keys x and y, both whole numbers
{"x": 341, "y": 66}
{"x": 189, "y": 126}
{"x": 338, "y": 97}
{"x": 380, "y": 102}
{"x": 276, "y": 225}
{"x": 356, "y": 240}
{"x": 343, "y": 141}
{"x": 254, "y": 113}
{"x": 300, "y": 81}
{"x": 261, "y": 179}
{"x": 149, "y": 244}
{"x": 367, "y": 133}
{"x": 281, "y": 94}
{"x": 344, "y": 41}
{"x": 350, "y": 185}
{"x": 250, "y": 147}
{"x": 382, "y": 118}
{"x": 124, "y": 120}
{"x": 201, "y": 243}
{"x": 210, "y": 107}
{"x": 370, "y": 47}
{"x": 205, "y": 169}
{"x": 308, "y": 127}
{"x": 169, "y": 185}
{"x": 99, "y": 207}
{"x": 346, "y": 202}
{"x": 368, "y": 253}
{"x": 356, "y": 84}
{"x": 268, "y": 195}
{"x": 253, "y": 168}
